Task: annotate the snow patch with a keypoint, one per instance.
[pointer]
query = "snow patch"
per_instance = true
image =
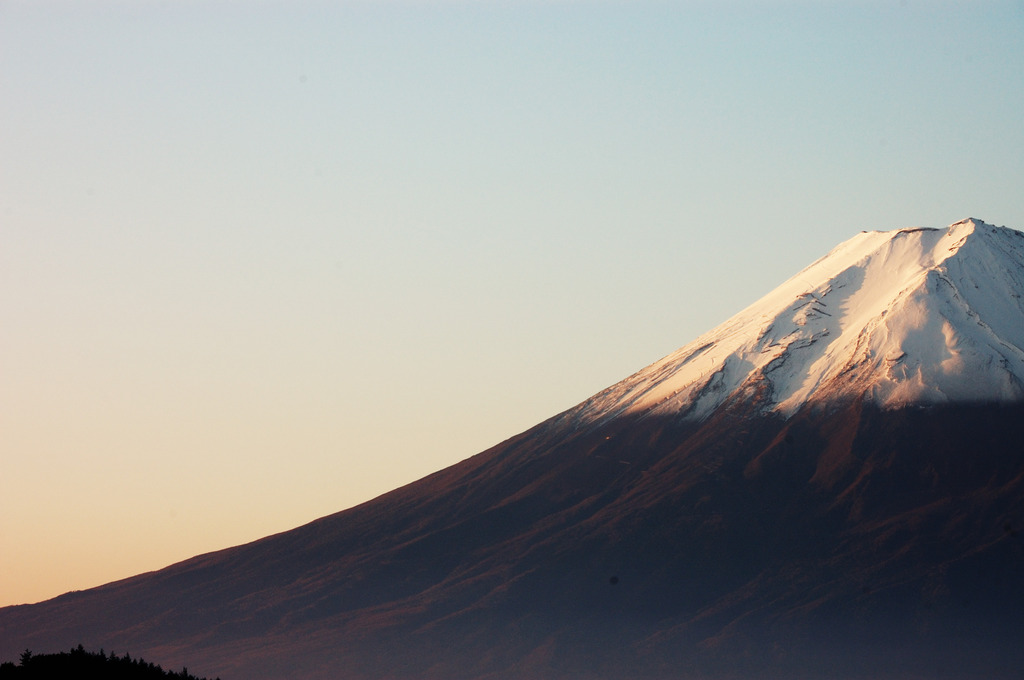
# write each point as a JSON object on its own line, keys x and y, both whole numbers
{"x": 913, "y": 316}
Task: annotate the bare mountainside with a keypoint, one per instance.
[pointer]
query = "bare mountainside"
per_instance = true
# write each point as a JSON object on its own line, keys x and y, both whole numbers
{"x": 830, "y": 484}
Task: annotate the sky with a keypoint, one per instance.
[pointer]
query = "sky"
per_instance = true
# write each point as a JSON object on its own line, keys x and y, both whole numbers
{"x": 263, "y": 261}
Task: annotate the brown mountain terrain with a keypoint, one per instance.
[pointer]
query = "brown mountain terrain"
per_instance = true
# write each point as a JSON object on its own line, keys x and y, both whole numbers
{"x": 853, "y": 543}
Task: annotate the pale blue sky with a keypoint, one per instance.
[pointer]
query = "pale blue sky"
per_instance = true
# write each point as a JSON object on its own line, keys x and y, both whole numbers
{"x": 260, "y": 261}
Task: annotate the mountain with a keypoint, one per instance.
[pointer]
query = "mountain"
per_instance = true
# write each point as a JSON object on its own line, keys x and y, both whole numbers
{"x": 829, "y": 484}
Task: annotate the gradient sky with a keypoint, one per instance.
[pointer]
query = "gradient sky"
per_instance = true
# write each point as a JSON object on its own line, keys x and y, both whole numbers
{"x": 261, "y": 261}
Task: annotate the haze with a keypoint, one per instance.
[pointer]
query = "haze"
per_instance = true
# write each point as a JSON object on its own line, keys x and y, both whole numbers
{"x": 263, "y": 261}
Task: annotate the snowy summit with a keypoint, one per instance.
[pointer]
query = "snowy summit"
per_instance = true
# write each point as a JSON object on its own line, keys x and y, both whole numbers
{"x": 914, "y": 316}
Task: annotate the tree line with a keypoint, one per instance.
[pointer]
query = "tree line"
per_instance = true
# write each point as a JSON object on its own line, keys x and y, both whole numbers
{"x": 79, "y": 663}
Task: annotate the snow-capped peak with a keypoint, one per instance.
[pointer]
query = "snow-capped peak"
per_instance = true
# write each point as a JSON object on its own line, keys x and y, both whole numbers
{"x": 914, "y": 316}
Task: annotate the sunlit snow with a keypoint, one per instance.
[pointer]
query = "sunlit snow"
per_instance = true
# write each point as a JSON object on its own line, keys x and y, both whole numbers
{"x": 915, "y": 316}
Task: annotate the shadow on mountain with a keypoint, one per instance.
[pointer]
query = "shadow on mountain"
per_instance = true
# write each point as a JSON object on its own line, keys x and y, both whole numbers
{"x": 856, "y": 543}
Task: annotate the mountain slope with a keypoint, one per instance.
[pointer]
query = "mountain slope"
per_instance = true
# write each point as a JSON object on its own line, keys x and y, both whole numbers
{"x": 807, "y": 505}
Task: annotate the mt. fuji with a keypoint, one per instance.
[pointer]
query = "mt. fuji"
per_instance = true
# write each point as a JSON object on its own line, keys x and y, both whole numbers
{"x": 829, "y": 484}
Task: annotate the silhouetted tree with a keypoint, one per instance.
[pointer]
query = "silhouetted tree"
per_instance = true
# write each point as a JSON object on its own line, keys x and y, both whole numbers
{"x": 79, "y": 663}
